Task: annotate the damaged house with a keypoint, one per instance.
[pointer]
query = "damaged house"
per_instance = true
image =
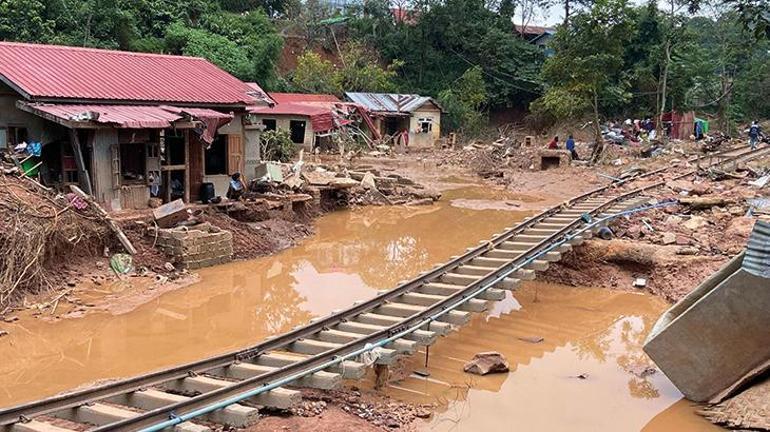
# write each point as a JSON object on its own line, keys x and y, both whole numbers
{"x": 125, "y": 126}
{"x": 416, "y": 117}
{"x": 312, "y": 119}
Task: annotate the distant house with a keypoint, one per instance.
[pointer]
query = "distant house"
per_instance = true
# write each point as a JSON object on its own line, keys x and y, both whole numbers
{"x": 537, "y": 35}
{"x": 309, "y": 118}
{"x": 393, "y": 114}
{"x": 125, "y": 126}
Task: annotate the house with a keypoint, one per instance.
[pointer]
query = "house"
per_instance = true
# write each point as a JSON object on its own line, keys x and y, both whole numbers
{"x": 393, "y": 114}
{"x": 537, "y": 35}
{"x": 126, "y": 126}
{"x": 310, "y": 119}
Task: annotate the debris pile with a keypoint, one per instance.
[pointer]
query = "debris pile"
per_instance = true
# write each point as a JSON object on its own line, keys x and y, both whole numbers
{"x": 374, "y": 408}
{"x": 41, "y": 230}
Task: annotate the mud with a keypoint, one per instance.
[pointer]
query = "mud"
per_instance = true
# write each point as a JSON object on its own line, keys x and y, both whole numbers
{"x": 589, "y": 365}
{"x": 352, "y": 255}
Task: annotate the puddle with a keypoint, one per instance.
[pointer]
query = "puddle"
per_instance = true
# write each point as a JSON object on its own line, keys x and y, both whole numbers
{"x": 589, "y": 372}
{"x": 353, "y": 254}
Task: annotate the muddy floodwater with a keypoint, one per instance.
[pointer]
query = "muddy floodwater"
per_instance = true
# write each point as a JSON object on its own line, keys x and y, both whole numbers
{"x": 588, "y": 373}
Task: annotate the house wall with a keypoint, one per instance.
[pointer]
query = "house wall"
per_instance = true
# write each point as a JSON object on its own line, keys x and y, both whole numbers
{"x": 101, "y": 168}
{"x": 418, "y": 139}
{"x": 282, "y": 122}
{"x": 38, "y": 129}
{"x": 251, "y": 138}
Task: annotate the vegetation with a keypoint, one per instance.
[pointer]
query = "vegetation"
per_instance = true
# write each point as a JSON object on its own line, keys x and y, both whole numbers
{"x": 611, "y": 58}
{"x": 276, "y": 145}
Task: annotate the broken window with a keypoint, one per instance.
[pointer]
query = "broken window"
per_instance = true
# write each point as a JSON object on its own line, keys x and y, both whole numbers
{"x": 216, "y": 156}
{"x": 426, "y": 124}
{"x": 269, "y": 124}
{"x": 297, "y": 130}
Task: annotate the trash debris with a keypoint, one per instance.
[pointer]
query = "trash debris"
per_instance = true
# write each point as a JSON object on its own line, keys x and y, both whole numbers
{"x": 639, "y": 283}
{"x": 121, "y": 263}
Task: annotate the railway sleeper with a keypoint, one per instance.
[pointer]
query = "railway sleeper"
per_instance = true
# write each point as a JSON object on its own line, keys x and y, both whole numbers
{"x": 521, "y": 274}
{"x": 279, "y": 398}
{"x": 509, "y": 283}
{"x": 438, "y": 288}
{"x": 244, "y": 370}
{"x": 235, "y": 415}
{"x": 348, "y": 369}
{"x": 313, "y": 347}
{"x": 438, "y": 327}
{"x": 402, "y": 310}
{"x": 400, "y": 346}
{"x": 420, "y": 299}
{"x": 40, "y": 426}
{"x": 100, "y": 414}
{"x": 422, "y": 337}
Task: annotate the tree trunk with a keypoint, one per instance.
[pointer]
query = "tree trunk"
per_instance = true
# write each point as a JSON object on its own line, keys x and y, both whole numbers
{"x": 664, "y": 85}
{"x": 566, "y": 12}
{"x": 599, "y": 145}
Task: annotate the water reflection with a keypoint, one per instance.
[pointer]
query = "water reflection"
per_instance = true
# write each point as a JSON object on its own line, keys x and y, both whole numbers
{"x": 353, "y": 254}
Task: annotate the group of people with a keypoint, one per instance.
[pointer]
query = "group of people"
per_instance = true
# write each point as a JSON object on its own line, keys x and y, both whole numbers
{"x": 569, "y": 145}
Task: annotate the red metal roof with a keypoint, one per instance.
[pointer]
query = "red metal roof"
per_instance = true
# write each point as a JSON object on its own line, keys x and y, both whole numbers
{"x": 125, "y": 116}
{"x": 59, "y": 72}
{"x": 303, "y": 97}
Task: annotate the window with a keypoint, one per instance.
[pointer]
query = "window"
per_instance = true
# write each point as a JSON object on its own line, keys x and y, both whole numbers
{"x": 297, "y": 130}
{"x": 216, "y": 156}
{"x": 269, "y": 124}
{"x": 132, "y": 162}
{"x": 426, "y": 124}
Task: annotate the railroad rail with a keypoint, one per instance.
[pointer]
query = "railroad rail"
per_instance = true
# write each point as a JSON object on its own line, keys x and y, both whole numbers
{"x": 229, "y": 388}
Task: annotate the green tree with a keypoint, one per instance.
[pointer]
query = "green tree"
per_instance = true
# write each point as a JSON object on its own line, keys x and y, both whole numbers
{"x": 586, "y": 70}
{"x": 315, "y": 75}
{"x": 24, "y": 20}
{"x": 216, "y": 48}
{"x": 463, "y": 102}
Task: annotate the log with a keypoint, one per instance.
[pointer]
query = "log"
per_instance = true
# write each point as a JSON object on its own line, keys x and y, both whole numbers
{"x": 111, "y": 223}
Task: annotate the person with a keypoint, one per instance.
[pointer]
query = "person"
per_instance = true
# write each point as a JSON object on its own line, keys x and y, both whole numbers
{"x": 236, "y": 188}
{"x": 570, "y": 144}
{"x": 754, "y": 131}
{"x": 554, "y": 143}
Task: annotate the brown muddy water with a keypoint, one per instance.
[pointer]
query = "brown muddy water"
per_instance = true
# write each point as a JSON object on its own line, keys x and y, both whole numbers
{"x": 596, "y": 333}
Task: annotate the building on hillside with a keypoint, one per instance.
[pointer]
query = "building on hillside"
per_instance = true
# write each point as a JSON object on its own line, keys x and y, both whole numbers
{"x": 311, "y": 119}
{"x": 537, "y": 35}
{"x": 125, "y": 126}
{"x": 394, "y": 114}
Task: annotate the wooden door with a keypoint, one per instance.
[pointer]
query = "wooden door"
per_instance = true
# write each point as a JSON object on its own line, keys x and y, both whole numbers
{"x": 196, "y": 166}
{"x": 235, "y": 154}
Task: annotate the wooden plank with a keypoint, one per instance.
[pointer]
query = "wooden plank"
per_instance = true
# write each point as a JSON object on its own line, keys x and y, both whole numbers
{"x": 111, "y": 223}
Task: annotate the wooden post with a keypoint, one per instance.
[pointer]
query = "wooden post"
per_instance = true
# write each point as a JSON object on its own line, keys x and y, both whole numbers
{"x": 111, "y": 223}
{"x": 83, "y": 177}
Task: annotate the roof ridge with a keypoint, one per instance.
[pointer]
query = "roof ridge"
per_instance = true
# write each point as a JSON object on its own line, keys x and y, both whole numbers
{"x": 43, "y": 46}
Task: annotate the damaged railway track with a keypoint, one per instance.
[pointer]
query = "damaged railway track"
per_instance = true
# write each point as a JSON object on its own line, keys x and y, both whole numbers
{"x": 228, "y": 389}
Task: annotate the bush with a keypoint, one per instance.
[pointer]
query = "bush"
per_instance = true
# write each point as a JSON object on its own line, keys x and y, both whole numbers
{"x": 276, "y": 145}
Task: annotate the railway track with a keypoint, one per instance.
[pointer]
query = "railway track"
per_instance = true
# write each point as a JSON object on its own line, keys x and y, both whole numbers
{"x": 229, "y": 388}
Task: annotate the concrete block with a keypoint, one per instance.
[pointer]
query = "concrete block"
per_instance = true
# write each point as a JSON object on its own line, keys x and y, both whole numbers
{"x": 36, "y": 426}
{"x": 348, "y": 369}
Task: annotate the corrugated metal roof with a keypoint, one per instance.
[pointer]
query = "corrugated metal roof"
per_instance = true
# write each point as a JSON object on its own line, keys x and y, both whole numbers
{"x": 126, "y": 116}
{"x": 390, "y": 102}
{"x": 303, "y": 97}
{"x": 757, "y": 258}
{"x": 59, "y": 72}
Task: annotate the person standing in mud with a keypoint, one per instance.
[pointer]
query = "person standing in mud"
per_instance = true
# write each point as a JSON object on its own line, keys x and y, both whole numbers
{"x": 570, "y": 146}
{"x": 754, "y": 132}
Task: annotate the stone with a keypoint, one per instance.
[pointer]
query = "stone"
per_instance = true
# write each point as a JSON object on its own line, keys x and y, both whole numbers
{"x": 703, "y": 202}
{"x": 683, "y": 240}
{"x": 169, "y": 267}
{"x": 687, "y": 250}
{"x": 695, "y": 223}
{"x": 368, "y": 182}
{"x": 486, "y": 363}
{"x": 3, "y": 333}
{"x": 11, "y": 319}
{"x": 640, "y": 283}
{"x": 668, "y": 238}
{"x": 531, "y": 339}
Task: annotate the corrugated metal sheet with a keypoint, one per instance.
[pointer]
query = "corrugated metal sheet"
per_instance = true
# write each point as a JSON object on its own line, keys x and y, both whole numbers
{"x": 50, "y": 71}
{"x": 389, "y": 102}
{"x": 128, "y": 116}
{"x": 757, "y": 258}
{"x": 303, "y": 98}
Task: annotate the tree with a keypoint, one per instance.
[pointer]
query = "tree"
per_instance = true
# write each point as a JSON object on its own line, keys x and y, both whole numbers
{"x": 24, "y": 20}
{"x": 315, "y": 75}
{"x": 463, "y": 102}
{"x": 586, "y": 68}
